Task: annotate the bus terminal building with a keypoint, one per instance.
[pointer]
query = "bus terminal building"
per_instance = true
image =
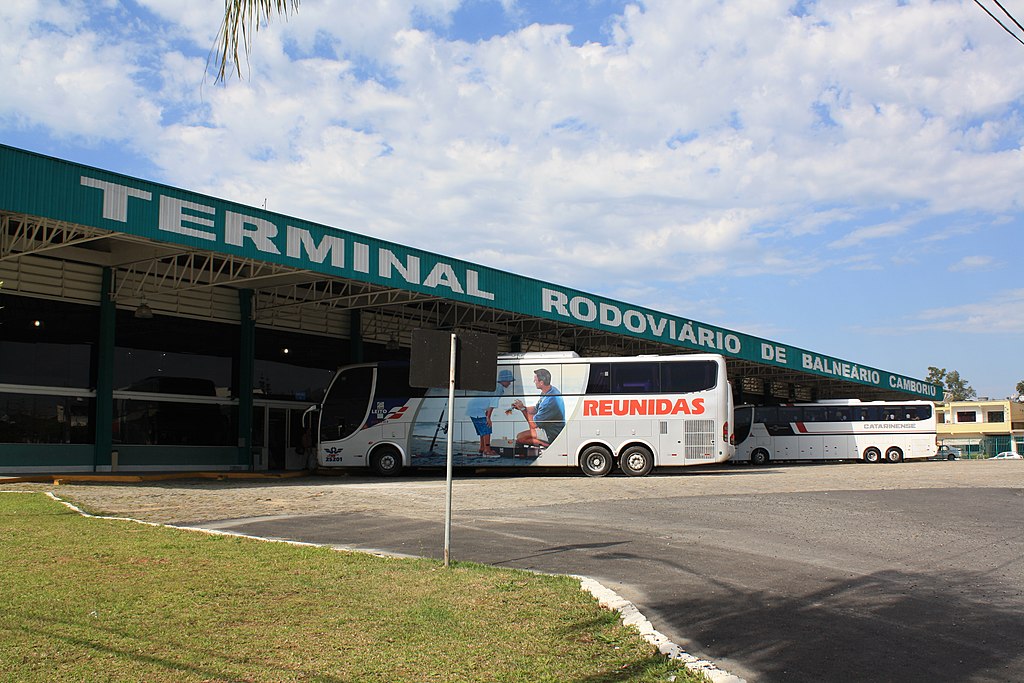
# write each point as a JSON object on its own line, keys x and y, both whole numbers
{"x": 149, "y": 328}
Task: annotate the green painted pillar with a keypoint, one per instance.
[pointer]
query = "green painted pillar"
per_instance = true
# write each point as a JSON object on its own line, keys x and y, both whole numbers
{"x": 105, "y": 374}
{"x": 355, "y": 334}
{"x": 246, "y": 368}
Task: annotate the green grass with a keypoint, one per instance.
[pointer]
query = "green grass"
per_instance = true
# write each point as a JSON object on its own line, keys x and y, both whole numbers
{"x": 85, "y": 599}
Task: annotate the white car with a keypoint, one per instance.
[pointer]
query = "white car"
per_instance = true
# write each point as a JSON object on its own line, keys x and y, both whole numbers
{"x": 1007, "y": 455}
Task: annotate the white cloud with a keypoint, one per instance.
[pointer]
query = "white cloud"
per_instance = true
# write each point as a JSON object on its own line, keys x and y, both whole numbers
{"x": 969, "y": 263}
{"x": 60, "y": 73}
{"x": 1003, "y": 313}
{"x": 861, "y": 235}
{"x": 704, "y": 140}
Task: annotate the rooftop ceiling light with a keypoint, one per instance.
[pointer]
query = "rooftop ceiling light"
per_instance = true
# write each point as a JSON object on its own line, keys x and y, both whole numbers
{"x": 144, "y": 312}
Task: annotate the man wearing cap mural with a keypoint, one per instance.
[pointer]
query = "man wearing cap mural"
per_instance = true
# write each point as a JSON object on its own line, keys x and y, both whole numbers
{"x": 481, "y": 406}
{"x": 546, "y": 419}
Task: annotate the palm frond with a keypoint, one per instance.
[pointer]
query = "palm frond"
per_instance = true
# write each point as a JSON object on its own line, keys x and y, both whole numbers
{"x": 242, "y": 19}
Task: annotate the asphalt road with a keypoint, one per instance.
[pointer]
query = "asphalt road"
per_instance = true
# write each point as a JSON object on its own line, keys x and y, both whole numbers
{"x": 859, "y": 583}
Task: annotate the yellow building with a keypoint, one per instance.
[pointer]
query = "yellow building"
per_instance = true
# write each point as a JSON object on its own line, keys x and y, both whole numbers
{"x": 981, "y": 429}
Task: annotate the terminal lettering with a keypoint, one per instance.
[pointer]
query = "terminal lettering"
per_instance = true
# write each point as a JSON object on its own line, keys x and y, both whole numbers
{"x": 199, "y": 221}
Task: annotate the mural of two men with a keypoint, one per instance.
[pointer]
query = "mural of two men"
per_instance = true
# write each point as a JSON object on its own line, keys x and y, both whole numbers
{"x": 545, "y": 419}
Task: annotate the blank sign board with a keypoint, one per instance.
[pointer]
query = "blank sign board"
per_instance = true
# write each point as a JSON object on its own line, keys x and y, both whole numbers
{"x": 475, "y": 355}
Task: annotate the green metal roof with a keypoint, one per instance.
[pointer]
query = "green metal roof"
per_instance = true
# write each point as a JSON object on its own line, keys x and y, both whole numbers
{"x": 51, "y": 188}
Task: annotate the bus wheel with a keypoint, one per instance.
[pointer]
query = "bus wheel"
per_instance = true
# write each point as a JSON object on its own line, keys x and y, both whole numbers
{"x": 893, "y": 454}
{"x": 759, "y": 457}
{"x": 596, "y": 461}
{"x": 872, "y": 455}
{"x": 636, "y": 461}
{"x": 386, "y": 462}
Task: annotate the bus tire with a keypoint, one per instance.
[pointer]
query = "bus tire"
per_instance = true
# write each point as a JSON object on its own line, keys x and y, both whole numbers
{"x": 596, "y": 461}
{"x": 893, "y": 454}
{"x": 386, "y": 462}
{"x": 872, "y": 454}
{"x": 759, "y": 457}
{"x": 636, "y": 461}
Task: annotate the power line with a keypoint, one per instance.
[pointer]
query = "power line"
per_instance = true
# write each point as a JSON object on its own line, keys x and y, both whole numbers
{"x": 998, "y": 21}
{"x": 1008, "y": 14}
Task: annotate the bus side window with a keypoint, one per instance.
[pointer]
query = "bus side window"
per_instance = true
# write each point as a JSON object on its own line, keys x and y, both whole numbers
{"x": 871, "y": 414}
{"x": 814, "y": 414}
{"x": 599, "y": 380}
{"x": 635, "y": 378}
{"x": 688, "y": 376}
{"x": 790, "y": 414}
{"x": 843, "y": 414}
{"x": 393, "y": 381}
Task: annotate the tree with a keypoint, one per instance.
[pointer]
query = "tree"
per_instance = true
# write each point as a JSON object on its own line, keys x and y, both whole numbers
{"x": 954, "y": 387}
{"x": 242, "y": 19}
{"x": 936, "y": 375}
{"x": 1020, "y": 385}
{"x": 958, "y": 389}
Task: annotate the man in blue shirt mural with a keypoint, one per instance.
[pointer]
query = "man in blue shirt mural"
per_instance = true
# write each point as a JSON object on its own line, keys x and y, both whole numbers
{"x": 546, "y": 419}
{"x": 480, "y": 409}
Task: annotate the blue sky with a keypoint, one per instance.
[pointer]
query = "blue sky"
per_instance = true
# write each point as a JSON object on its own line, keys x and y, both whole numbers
{"x": 840, "y": 176}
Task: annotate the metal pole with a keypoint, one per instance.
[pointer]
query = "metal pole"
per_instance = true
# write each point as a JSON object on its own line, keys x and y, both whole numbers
{"x": 448, "y": 491}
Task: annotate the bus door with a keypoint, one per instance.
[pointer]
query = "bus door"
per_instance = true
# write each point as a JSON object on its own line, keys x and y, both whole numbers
{"x": 670, "y": 442}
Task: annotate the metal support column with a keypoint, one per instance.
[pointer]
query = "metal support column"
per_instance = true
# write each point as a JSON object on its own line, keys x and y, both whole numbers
{"x": 103, "y": 444}
{"x": 246, "y": 368}
{"x": 355, "y": 334}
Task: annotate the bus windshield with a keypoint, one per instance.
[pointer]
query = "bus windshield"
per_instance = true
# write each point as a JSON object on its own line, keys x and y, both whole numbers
{"x": 346, "y": 403}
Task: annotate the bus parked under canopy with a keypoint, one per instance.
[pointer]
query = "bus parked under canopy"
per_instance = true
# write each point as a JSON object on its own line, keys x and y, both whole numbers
{"x": 547, "y": 410}
{"x": 874, "y": 431}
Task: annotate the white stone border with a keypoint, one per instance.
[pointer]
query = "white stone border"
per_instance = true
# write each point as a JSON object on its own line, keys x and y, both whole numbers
{"x": 631, "y": 616}
{"x": 607, "y": 598}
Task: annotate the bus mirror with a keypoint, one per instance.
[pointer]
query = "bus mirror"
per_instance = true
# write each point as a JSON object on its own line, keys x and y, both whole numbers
{"x": 307, "y": 415}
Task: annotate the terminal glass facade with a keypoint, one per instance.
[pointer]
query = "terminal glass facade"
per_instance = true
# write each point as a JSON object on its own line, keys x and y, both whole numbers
{"x": 175, "y": 388}
{"x": 47, "y": 365}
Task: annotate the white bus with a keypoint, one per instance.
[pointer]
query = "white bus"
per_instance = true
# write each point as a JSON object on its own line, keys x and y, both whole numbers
{"x": 848, "y": 429}
{"x": 547, "y": 410}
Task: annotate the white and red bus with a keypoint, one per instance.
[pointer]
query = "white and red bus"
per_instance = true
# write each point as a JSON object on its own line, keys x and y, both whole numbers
{"x": 547, "y": 410}
{"x": 846, "y": 429}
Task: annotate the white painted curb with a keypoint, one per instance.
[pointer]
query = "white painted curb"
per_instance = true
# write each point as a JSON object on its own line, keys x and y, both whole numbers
{"x": 631, "y": 616}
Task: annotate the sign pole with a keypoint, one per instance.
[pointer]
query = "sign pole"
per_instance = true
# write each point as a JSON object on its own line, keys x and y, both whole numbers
{"x": 471, "y": 363}
{"x": 448, "y": 488}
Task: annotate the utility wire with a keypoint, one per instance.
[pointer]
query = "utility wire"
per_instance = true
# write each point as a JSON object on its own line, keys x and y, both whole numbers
{"x": 1008, "y": 14}
{"x": 998, "y": 21}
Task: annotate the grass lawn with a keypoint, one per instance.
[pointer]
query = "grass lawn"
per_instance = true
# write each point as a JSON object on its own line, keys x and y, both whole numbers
{"x": 85, "y": 599}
